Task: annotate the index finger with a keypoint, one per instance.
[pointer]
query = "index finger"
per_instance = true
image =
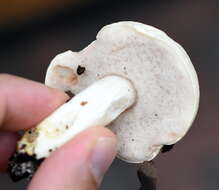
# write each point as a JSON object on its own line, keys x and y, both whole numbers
{"x": 23, "y": 103}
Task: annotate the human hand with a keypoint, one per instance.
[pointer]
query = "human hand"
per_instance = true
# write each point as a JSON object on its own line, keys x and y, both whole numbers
{"x": 79, "y": 164}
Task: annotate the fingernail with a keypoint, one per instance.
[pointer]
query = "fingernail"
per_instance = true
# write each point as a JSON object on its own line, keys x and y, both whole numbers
{"x": 102, "y": 157}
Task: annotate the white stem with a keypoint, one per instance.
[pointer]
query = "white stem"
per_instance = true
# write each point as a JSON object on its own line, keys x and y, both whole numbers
{"x": 98, "y": 105}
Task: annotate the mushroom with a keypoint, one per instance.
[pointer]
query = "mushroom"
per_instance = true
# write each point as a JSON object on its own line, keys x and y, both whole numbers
{"x": 149, "y": 88}
{"x": 160, "y": 70}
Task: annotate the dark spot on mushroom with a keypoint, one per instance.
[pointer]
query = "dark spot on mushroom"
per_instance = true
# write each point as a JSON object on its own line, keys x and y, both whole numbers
{"x": 66, "y": 127}
{"x": 23, "y": 146}
{"x": 22, "y": 166}
{"x": 133, "y": 139}
{"x": 70, "y": 94}
{"x": 167, "y": 148}
{"x": 50, "y": 150}
{"x": 125, "y": 71}
{"x": 31, "y": 135}
{"x": 83, "y": 103}
{"x": 155, "y": 114}
{"x": 80, "y": 70}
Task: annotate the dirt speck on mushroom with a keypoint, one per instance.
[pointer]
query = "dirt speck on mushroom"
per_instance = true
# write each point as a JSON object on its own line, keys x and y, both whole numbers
{"x": 31, "y": 135}
{"x": 83, "y": 103}
{"x": 70, "y": 94}
{"x": 80, "y": 70}
{"x": 50, "y": 150}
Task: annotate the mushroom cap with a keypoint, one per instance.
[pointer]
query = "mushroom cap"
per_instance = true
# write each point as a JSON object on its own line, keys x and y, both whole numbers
{"x": 162, "y": 73}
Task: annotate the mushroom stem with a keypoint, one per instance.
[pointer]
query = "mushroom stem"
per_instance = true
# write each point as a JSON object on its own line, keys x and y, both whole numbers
{"x": 97, "y": 105}
{"x": 147, "y": 176}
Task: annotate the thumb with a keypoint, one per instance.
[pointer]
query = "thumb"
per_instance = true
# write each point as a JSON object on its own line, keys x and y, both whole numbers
{"x": 79, "y": 164}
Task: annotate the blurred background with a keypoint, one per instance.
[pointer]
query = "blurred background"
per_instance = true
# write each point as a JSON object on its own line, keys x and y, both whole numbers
{"x": 32, "y": 32}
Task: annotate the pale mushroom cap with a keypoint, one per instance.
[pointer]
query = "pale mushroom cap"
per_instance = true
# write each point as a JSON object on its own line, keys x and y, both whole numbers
{"x": 162, "y": 73}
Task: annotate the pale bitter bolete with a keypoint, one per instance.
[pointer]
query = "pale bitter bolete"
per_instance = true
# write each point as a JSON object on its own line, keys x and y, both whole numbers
{"x": 160, "y": 70}
{"x": 133, "y": 79}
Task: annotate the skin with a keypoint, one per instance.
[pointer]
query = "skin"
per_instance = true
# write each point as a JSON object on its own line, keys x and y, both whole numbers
{"x": 80, "y": 163}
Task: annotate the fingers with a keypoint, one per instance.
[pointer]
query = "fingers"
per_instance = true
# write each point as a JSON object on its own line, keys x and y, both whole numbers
{"x": 80, "y": 164}
{"x": 7, "y": 145}
{"x": 23, "y": 103}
